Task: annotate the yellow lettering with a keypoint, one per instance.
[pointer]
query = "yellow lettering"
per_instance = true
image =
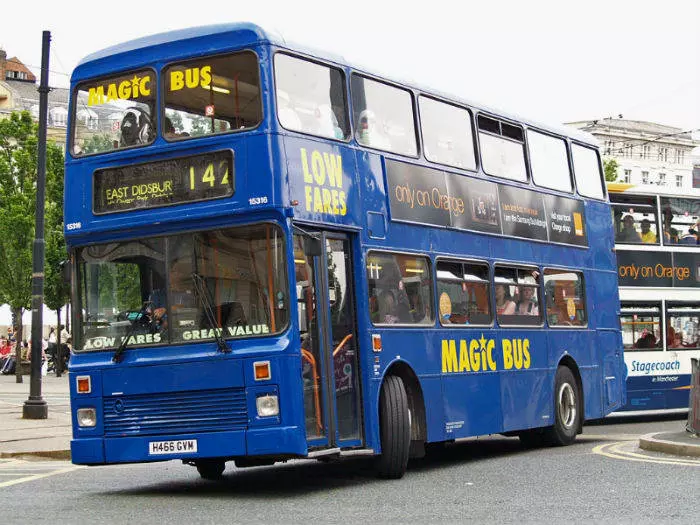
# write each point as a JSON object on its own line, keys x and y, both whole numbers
{"x": 343, "y": 206}
{"x": 463, "y": 356}
{"x": 489, "y": 350}
{"x": 326, "y": 200}
{"x": 177, "y": 80}
{"x": 507, "y": 354}
{"x": 309, "y": 198}
{"x": 449, "y": 356}
{"x": 526, "y": 353}
{"x": 474, "y": 355}
{"x": 518, "y": 353}
{"x": 334, "y": 167}
{"x": 96, "y": 96}
{"x": 144, "y": 87}
{"x": 305, "y": 167}
{"x": 317, "y": 168}
{"x": 192, "y": 77}
{"x": 206, "y": 76}
{"x": 112, "y": 92}
{"x": 124, "y": 89}
{"x": 318, "y": 202}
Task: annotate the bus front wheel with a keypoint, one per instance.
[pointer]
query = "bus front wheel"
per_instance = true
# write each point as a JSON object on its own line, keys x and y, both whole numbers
{"x": 210, "y": 468}
{"x": 395, "y": 428}
{"x": 567, "y": 408}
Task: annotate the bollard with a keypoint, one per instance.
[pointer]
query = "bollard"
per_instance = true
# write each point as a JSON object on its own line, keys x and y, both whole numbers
{"x": 693, "y": 425}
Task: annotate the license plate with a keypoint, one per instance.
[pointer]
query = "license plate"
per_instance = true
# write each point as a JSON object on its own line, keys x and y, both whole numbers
{"x": 182, "y": 446}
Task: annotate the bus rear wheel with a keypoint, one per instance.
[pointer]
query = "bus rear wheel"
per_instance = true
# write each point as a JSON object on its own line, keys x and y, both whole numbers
{"x": 567, "y": 409}
{"x": 211, "y": 469}
{"x": 395, "y": 428}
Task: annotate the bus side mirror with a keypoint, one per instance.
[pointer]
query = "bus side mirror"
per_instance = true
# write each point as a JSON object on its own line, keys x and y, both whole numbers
{"x": 65, "y": 271}
{"x": 312, "y": 246}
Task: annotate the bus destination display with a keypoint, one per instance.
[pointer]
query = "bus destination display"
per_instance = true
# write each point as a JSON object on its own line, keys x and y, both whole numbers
{"x": 164, "y": 183}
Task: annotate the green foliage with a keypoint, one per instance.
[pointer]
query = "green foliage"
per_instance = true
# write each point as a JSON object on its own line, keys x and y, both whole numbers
{"x": 18, "y": 176}
{"x": 610, "y": 169}
{"x": 97, "y": 143}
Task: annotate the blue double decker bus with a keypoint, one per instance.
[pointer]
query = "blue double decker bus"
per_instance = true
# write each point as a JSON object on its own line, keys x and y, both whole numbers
{"x": 275, "y": 255}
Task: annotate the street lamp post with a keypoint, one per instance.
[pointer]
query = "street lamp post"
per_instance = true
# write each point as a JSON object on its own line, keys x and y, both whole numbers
{"x": 35, "y": 407}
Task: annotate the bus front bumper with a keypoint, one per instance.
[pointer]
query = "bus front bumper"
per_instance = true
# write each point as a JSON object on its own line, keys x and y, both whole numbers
{"x": 271, "y": 441}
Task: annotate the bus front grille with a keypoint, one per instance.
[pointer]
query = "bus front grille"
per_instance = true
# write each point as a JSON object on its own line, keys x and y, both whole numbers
{"x": 175, "y": 412}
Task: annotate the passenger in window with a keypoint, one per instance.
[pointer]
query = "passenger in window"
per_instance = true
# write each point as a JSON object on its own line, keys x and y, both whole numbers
{"x": 418, "y": 311}
{"x": 287, "y": 114}
{"x": 504, "y": 304}
{"x": 368, "y": 133}
{"x": 327, "y": 123}
{"x": 648, "y": 236}
{"x": 388, "y": 312}
{"x": 135, "y": 127}
{"x": 670, "y": 233}
{"x": 628, "y": 233}
{"x": 526, "y": 304}
{"x": 692, "y": 236}
{"x": 647, "y": 340}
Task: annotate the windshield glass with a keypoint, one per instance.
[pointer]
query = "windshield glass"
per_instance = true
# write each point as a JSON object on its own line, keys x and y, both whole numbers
{"x": 114, "y": 112}
{"x": 151, "y": 282}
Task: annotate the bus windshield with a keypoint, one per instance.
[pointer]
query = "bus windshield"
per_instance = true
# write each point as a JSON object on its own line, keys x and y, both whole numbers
{"x": 146, "y": 288}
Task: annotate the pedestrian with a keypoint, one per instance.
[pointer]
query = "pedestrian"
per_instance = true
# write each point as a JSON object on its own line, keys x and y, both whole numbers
{"x": 63, "y": 350}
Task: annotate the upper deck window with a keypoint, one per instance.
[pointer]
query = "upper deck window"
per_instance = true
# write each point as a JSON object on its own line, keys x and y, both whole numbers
{"x": 587, "y": 170}
{"x": 383, "y": 116}
{"x": 502, "y": 149}
{"x": 120, "y": 110}
{"x": 447, "y": 134}
{"x": 211, "y": 95}
{"x": 634, "y": 219}
{"x": 681, "y": 221}
{"x": 548, "y": 161}
{"x": 311, "y": 98}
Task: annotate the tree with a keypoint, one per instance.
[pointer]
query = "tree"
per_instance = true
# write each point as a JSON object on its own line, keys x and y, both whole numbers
{"x": 610, "y": 169}
{"x": 56, "y": 291}
{"x": 18, "y": 173}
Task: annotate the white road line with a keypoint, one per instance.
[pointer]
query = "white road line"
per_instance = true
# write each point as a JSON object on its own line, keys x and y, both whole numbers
{"x": 38, "y": 476}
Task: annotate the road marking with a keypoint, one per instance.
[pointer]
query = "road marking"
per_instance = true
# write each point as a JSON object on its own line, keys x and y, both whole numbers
{"x": 620, "y": 450}
{"x": 31, "y": 470}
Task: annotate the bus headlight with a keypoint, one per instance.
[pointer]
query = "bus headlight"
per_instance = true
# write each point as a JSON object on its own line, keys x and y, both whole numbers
{"x": 268, "y": 405}
{"x": 87, "y": 417}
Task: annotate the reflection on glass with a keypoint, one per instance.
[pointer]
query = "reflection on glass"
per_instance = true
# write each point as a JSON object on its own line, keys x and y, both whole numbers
{"x": 641, "y": 327}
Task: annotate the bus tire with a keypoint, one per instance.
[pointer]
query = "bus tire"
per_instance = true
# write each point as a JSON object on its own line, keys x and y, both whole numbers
{"x": 211, "y": 469}
{"x": 395, "y": 429}
{"x": 567, "y": 409}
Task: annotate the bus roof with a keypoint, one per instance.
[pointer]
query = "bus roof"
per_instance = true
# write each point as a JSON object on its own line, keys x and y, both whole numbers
{"x": 644, "y": 189}
{"x": 249, "y": 34}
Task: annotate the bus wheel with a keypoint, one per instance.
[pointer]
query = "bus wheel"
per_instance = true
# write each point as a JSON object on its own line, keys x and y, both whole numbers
{"x": 395, "y": 428}
{"x": 210, "y": 468}
{"x": 567, "y": 408}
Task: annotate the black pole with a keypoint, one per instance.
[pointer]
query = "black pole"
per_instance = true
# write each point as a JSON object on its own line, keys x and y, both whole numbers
{"x": 35, "y": 407}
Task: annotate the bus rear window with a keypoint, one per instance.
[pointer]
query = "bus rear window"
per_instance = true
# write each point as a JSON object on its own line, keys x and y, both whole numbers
{"x": 587, "y": 171}
{"x": 113, "y": 113}
{"x": 211, "y": 95}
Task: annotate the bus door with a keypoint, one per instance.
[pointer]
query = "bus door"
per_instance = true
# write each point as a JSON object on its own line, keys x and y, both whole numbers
{"x": 329, "y": 345}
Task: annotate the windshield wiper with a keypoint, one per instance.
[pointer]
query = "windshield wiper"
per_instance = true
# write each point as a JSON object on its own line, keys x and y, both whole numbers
{"x": 200, "y": 290}
{"x": 117, "y": 357}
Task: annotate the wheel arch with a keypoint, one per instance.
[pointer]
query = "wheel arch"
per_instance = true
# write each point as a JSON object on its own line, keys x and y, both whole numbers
{"x": 416, "y": 403}
{"x": 569, "y": 362}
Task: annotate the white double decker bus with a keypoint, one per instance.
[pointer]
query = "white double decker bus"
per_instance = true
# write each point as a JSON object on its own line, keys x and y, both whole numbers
{"x": 658, "y": 258}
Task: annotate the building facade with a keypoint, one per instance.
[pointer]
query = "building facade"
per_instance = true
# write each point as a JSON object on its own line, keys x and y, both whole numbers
{"x": 19, "y": 92}
{"x": 646, "y": 152}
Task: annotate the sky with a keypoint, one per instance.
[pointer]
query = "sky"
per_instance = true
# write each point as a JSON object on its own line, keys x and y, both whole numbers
{"x": 550, "y": 61}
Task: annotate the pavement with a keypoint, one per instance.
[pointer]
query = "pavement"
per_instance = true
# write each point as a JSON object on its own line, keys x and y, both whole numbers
{"x": 40, "y": 438}
{"x": 50, "y": 438}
